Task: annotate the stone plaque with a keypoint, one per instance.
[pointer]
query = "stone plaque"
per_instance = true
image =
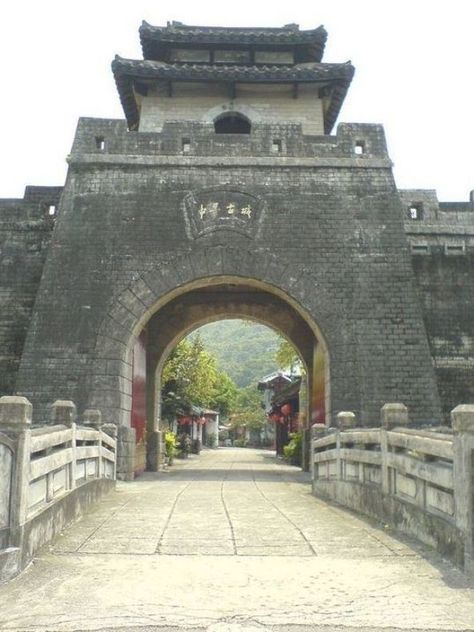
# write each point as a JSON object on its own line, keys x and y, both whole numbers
{"x": 223, "y": 209}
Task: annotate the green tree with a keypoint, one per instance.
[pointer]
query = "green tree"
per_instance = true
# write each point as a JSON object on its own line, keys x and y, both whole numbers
{"x": 287, "y": 356}
{"x": 248, "y": 409}
{"x": 225, "y": 394}
{"x": 190, "y": 376}
{"x": 245, "y": 350}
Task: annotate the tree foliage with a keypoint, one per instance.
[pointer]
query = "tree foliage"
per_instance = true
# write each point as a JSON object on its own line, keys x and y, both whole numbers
{"x": 225, "y": 394}
{"x": 248, "y": 409}
{"x": 245, "y": 350}
{"x": 286, "y": 356}
{"x": 190, "y": 377}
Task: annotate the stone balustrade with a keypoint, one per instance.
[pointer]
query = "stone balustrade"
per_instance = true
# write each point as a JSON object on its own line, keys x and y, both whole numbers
{"x": 418, "y": 480}
{"x": 48, "y": 475}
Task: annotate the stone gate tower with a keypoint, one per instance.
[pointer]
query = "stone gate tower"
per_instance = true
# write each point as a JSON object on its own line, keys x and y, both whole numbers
{"x": 223, "y": 193}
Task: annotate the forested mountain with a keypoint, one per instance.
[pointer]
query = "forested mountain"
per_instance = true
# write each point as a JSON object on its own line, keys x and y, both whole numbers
{"x": 244, "y": 349}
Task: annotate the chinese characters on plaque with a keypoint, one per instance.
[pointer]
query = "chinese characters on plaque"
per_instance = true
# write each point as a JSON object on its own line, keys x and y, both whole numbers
{"x": 213, "y": 209}
{"x": 222, "y": 209}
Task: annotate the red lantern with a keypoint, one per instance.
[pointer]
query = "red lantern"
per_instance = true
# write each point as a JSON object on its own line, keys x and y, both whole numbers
{"x": 286, "y": 410}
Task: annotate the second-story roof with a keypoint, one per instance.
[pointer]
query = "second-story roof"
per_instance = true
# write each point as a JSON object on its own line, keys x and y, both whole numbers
{"x": 128, "y": 72}
{"x": 308, "y": 45}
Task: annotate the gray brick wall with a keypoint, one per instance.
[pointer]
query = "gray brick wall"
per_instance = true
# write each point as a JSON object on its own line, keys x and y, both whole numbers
{"x": 442, "y": 246}
{"x": 25, "y": 233}
{"x": 331, "y": 236}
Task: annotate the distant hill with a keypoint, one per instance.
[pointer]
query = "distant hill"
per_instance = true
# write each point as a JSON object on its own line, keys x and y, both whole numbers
{"x": 244, "y": 349}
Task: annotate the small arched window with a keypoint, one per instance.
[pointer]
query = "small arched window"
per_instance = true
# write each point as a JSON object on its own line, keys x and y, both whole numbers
{"x": 232, "y": 123}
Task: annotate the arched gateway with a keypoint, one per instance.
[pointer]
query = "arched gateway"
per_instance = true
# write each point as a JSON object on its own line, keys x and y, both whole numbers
{"x": 165, "y": 224}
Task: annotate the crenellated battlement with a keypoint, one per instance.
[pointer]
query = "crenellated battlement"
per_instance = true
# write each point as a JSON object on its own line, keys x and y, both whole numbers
{"x": 108, "y": 137}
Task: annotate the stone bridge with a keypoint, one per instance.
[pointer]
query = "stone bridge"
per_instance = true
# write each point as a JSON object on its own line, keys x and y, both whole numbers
{"x": 233, "y": 538}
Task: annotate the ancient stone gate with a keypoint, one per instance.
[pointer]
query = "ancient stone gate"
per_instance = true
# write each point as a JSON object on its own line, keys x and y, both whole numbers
{"x": 223, "y": 194}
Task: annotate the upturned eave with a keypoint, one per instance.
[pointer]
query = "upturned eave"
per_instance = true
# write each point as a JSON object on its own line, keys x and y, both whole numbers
{"x": 336, "y": 79}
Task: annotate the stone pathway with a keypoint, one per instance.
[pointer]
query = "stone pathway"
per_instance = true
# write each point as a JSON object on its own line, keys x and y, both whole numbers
{"x": 232, "y": 541}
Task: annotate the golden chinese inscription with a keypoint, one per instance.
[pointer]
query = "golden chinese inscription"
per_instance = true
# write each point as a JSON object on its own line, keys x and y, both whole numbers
{"x": 213, "y": 208}
{"x": 222, "y": 209}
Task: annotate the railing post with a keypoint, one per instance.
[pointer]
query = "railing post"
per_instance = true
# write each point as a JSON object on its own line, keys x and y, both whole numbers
{"x": 462, "y": 419}
{"x": 15, "y": 421}
{"x": 317, "y": 432}
{"x": 92, "y": 417}
{"x": 112, "y": 431}
{"x": 64, "y": 412}
{"x": 345, "y": 420}
{"x": 391, "y": 416}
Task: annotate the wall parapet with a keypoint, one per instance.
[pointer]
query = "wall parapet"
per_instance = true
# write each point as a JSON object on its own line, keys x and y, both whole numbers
{"x": 108, "y": 141}
{"x": 48, "y": 475}
{"x": 420, "y": 481}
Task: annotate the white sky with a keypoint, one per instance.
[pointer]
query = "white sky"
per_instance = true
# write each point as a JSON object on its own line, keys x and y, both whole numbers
{"x": 413, "y": 62}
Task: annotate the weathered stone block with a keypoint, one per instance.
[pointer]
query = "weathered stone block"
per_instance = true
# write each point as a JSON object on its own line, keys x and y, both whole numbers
{"x": 392, "y": 415}
{"x": 345, "y": 420}
{"x": 462, "y": 418}
{"x": 92, "y": 417}
{"x": 63, "y": 412}
{"x": 15, "y": 412}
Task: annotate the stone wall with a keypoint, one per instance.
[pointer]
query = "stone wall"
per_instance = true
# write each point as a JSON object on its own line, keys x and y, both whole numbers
{"x": 328, "y": 211}
{"x": 442, "y": 248}
{"x": 329, "y": 235}
{"x": 25, "y": 233}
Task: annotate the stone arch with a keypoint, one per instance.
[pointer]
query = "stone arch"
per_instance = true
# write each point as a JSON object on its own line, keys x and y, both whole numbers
{"x": 232, "y": 123}
{"x": 132, "y": 308}
{"x": 225, "y": 108}
{"x": 170, "y": 335}
{"x": 223, "y": 316}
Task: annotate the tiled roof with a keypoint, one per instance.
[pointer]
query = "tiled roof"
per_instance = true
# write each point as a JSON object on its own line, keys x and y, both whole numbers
{"x": 126, "y": 71}
{"x": 286, "y": 393}
{"x": 155, "y": 39}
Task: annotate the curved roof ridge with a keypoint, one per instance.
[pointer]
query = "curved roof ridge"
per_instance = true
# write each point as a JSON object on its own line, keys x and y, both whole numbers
{"x": 156, "y": 39}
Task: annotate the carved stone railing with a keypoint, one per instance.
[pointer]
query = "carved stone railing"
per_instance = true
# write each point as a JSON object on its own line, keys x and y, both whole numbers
{"x": 48, "y": 475}
{"x": 420, "y": 481}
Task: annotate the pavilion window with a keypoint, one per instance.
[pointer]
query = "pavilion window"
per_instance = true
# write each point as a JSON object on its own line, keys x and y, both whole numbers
{"x": 232, "y": 56}
{"x": 190, "y": 55}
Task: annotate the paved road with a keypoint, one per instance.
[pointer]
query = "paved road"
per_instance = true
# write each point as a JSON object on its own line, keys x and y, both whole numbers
{"x": 232, "y": 541}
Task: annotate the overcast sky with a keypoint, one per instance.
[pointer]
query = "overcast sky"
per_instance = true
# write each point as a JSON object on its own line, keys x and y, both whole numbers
{"x": 413, "y": 61}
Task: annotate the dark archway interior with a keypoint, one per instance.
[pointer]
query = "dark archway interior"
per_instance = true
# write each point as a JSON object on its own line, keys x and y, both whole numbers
{"x": 232, "y": 124}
